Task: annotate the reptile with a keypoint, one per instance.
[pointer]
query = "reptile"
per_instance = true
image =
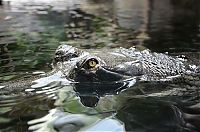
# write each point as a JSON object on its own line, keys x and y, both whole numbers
{"x": 118, "y": 64}
{"x": 114, "y": 65}
{"x": 91, "y": 68}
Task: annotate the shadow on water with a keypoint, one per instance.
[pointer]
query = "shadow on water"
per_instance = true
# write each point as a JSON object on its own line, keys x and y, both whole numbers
{"x": 31, "y": 31}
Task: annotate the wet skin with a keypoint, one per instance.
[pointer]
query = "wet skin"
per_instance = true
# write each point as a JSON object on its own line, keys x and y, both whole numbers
{"x": 115, "y": 65}
{"x": 119, "y": 64}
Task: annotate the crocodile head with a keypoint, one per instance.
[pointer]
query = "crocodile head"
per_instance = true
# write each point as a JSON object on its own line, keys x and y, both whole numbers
{"x": 64, "y": 53}
{"x": 66, "y": 58}
{"x": 94, "y": 69}
{"x": 94, "y": 77}
{"x": 81, "y": 66}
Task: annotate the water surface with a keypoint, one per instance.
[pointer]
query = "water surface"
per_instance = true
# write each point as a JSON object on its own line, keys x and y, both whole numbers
{"x": 30, "y": 31}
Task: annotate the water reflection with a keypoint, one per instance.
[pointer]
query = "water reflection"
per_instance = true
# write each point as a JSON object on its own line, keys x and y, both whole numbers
{"x": 63, "y": 121}
{"x": 145, "y": 113}
{"x": 30, "y": 32}
{"x": 156, "y": 18}
{"x": 132, "y": 14}
{"x": 90, "y": 93}
{"x": 104, "y": 106}
{"x": 151, "y": 114}
{"x": 17, "y": 110}
{"x": 170, "y": 26}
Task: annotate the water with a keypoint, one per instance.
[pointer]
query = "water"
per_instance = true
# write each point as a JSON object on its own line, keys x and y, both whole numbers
{"x": 30, "y": 31}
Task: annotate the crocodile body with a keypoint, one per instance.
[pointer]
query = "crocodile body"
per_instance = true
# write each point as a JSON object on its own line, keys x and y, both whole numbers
{"x": 115, "y": 65}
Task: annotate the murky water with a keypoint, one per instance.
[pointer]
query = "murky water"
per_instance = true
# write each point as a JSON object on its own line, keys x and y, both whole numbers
{"x": 30, "y": 31}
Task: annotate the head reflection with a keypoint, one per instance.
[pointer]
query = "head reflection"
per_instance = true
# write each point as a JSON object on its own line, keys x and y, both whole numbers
{"x": 90, "y": 92}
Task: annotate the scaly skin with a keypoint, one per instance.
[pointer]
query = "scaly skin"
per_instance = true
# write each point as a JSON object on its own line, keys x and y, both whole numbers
{"x": 146, "y": 65}
{"x": 115, "y": 65}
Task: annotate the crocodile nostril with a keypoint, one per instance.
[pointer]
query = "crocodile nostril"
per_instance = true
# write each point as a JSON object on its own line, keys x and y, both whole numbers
{"x": 59, "y": 53}
{"x": 57, "y": 59}
{"x": 68, "y": 57}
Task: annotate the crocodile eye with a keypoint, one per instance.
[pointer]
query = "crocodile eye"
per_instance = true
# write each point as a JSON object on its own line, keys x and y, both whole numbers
{"x": 92, "y": 63}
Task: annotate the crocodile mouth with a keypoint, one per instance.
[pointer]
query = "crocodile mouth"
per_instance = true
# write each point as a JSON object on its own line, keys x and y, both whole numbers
{"x": 93, "y": 69}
